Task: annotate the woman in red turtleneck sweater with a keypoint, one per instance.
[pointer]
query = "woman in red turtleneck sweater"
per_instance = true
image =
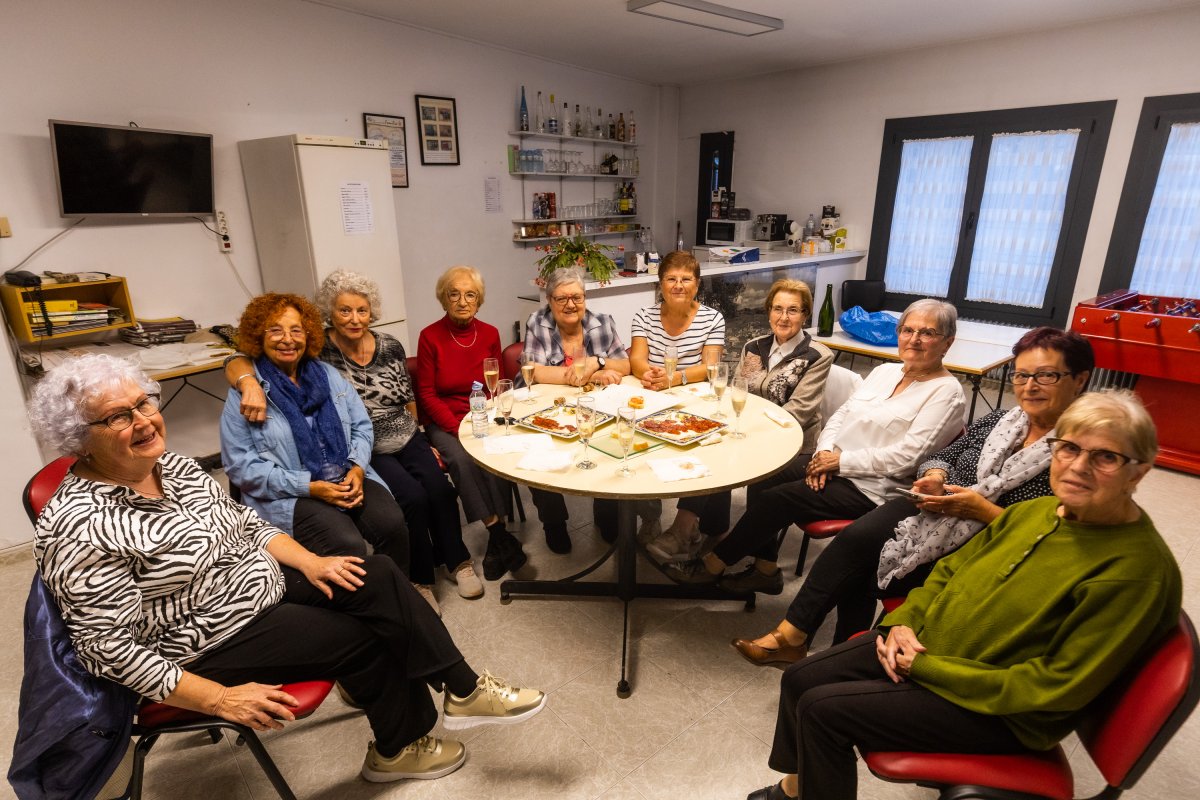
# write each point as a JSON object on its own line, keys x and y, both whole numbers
{"x": 450, "y": 355}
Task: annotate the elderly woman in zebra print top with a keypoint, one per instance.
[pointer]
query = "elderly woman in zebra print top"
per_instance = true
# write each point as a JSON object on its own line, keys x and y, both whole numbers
{"x": 170, "y": 588}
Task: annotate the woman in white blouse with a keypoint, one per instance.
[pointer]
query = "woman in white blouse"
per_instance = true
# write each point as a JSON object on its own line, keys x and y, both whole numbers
{"x": 869, "y": 449}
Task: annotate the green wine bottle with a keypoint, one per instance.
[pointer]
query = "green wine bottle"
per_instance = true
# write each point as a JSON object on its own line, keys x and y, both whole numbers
{"x": 825, "y": 319}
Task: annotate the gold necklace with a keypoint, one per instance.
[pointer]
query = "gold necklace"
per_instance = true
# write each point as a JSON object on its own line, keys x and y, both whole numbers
{"x": 473, "y": 338}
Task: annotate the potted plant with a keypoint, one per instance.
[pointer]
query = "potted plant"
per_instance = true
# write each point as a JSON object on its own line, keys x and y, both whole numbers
{"x": 576, "y": 251}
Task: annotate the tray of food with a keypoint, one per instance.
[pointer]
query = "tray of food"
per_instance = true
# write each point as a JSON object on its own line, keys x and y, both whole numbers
{"x": 678, "y": 427}
{"x": 558, "y": 420}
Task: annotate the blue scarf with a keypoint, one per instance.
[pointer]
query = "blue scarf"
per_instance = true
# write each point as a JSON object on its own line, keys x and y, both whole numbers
{"x": 325, "y": 444}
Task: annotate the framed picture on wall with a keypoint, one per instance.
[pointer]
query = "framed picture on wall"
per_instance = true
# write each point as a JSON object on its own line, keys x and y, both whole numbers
{"x": 390, "y": 129}
{"x": 438, "y": 131}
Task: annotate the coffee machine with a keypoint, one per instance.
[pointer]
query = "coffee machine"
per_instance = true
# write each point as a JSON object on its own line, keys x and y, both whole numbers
{"x": 770, "y": 228}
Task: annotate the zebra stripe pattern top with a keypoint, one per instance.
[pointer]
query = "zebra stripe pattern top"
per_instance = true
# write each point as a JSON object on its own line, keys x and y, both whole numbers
{"x": 147, "y": 585}
{"x": 707, "y": 329}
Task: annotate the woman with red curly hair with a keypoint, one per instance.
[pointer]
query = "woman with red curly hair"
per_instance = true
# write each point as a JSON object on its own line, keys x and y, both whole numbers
{"x": 307, "y": 468}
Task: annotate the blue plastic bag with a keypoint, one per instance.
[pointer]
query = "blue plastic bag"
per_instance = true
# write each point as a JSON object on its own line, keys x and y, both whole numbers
{"x": 872, "y": 327}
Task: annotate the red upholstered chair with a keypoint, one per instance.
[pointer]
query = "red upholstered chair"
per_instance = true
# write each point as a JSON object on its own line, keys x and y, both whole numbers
{"x": 821, "y": 529}
{"x": 510, "y": 360}
{"x": 1124, "y": 731}
{"x": 156, "y": 719}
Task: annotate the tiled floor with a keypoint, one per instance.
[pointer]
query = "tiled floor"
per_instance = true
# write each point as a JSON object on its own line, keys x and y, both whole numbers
{"x": 698, "y": 724}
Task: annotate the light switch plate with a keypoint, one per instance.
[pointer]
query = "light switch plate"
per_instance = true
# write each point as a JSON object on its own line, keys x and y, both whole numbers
{"x": 5, "y": 228}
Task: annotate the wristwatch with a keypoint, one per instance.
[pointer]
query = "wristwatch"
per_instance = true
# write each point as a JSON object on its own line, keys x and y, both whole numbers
{"x": 683, "y": 376}
{"x": 601, "y": 362}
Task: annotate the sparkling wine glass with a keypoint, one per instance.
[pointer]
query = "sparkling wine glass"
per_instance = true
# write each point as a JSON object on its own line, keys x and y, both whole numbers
{"x": 670, "y": 361}
{"x": 712, "y": 360}
{"x": 738, "y": 398}
{"x": 504, "y": 400}
{"x": 625, "y": 431}
{"x": 585, "y": 420}
{"x": 579, "y": 359}
{"x": 528, "y": 365}
{"x": 719, "y": 384}
{"x": 491, "y": 376}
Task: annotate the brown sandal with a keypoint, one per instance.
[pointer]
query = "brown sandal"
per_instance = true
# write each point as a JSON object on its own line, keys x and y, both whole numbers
{"x": 781, "y": 653}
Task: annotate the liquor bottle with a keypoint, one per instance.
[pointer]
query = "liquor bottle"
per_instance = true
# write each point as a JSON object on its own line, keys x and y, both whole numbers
{"x": 810, "y": 226}
{"x": 524, "y": 121}
{"x": 540, "y": 121}
{"x": 632, "y": 198}
{"x": 566, "y": 124}
{"x": 578, "y": 121}
{"x": 631, "y": 129}
{"x": 588, "y": 124}
{"x": 678, "y": 235}
{"x": 598, "y": 127}
{"x": 825, "y": 319}
{"x": 621, "y": 127}
{"x": 552, "y": 120}
{"x": 612, "y": 128}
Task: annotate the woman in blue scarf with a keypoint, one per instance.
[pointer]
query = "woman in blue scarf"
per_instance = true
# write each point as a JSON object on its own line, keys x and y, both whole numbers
{"x": 307, "y": 468}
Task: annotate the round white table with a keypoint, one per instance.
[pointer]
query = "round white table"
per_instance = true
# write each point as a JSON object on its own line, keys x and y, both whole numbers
{"x": 767, "y": 448}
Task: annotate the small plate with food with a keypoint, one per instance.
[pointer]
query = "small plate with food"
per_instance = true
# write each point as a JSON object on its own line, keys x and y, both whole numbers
{"x": 678, "y": 427}
{"x": 559, "y": 421}
{"x": 643, "y": 401}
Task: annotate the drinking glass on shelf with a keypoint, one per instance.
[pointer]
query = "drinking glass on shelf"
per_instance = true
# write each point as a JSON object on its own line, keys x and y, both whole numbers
{"x": 504, "y": 401}
{"x": 579, "y": 360}
{"x": 491, "y": 375}
{"x": 711, "y": 361}
{"x": 670, "y": 360}
{"x": 719, "y": 384}
{"x": 738, "y": 398}
{"x": 585, "y": 421}
{"x": 625, "y": 432}
{"x": 528, "y": 365}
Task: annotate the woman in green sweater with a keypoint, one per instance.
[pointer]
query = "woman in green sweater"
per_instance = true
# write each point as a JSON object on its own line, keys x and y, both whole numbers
{"x": 1011, "y": 636}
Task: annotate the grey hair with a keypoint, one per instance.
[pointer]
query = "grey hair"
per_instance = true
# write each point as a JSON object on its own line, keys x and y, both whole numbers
{"x": 1119, "y": 413}
{"x": 945, "y": 314}
{"x": 60, "y": 399}
{"x": 346, "y": 282}
{"x": 561, "y": 277}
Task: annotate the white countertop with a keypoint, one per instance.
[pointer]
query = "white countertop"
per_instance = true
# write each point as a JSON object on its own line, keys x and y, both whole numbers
{"x": 771, "y": 259}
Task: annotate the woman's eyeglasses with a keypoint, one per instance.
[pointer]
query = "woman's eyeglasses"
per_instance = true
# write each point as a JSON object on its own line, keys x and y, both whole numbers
{"x": 570, "y": 299}
{"x": 120, "y": 420}
{"x": 1044, "y": 377}
{"x": 471, "y": 297}
{"x": 792, "y": 311}
{"x": 924, "y": 334}
{"x": 1107, "y": 461}
{"x": 276, "y": 334}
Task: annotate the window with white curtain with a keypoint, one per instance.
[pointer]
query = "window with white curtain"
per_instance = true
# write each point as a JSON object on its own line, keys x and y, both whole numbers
{"x": 988, "y": 210}
{"x": 1155, "y": 246}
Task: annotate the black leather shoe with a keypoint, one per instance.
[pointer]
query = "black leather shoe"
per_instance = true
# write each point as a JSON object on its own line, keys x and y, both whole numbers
{"x": 514, "y": 556}
{"x": 773, "y": 792}
{"x": 557, "y": 538}
{"x": 494, "y": 558}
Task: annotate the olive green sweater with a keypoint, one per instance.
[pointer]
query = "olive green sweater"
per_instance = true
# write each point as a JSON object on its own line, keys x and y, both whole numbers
{"x": 1035, "y": 615}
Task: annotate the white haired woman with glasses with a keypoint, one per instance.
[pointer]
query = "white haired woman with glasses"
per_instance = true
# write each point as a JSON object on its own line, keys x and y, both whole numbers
{"x": 868, "y": 450}
{"x": 1011, "y": 636}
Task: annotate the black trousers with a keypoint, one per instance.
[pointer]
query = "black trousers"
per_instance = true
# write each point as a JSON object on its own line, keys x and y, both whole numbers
{"x": 382, "y": 642}
{"x": 712, "y": 509}
{"x": 783, "y": 499}
{"x": 430, "y": 507}
{"x": 552, "y": 510}
{"x": 328, "y": 530}
{"x": 844, "y": 575}
{"x": 834, "y": 701}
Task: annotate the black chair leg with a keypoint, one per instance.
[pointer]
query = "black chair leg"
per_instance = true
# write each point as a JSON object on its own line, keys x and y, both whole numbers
{"x": 215, "y": 734}
{"x": 139, "y": 765}
{"x": 516, "y": 491}
{"x": 268, "y": 766}
{"x": 800, "y": 559}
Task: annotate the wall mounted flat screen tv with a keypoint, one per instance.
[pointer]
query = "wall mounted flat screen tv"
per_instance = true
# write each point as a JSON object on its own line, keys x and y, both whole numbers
{"x": 116, "y": 171}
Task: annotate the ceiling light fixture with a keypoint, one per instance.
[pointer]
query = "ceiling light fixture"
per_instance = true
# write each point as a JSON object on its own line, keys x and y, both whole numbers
{"x": 707, "y": 15}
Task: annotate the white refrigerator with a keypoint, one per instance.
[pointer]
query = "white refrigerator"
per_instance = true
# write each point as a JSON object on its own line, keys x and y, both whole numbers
{"x": 323, "y": 203}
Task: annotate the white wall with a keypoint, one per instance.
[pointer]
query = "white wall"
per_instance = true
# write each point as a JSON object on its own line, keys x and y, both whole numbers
{"x": 813, "y": 137}
{"x": 244, "y": 70}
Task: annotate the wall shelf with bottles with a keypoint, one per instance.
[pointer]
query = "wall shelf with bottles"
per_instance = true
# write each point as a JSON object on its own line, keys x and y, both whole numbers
{"x": 591, "y": 175}
{"x": 560, "y": 138}
{"x": 572, "y": 219}
{"x": 536, "y": 239}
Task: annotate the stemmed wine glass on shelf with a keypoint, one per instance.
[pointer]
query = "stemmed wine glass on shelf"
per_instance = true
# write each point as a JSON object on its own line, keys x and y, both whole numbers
{"x": 504, "y": 401}
{"x": 720, "y": 381}
{"x": 491, "y": 376}
{"x": 738, "y": 398}
{"x": 626, "y": 417}
{"x": 585, "y": 421}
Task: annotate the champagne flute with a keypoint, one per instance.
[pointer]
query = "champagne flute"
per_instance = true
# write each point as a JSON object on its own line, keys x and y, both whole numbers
{"x": 719, "y": 384}
{"x": 579, "y": 359}
{"x": 711, "y": 361}
{"x": 528, "y": 365}
{"x": 670, "y": 361}
{"x": 491, "y": 375}
{"x": 625, "y": 431}
{"x": 738, "y": 398}
{"x": 585, "y": 421}
{"x": 504, "y": 400}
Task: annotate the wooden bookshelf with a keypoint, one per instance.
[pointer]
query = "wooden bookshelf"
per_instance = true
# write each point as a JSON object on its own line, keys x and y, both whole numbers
{"x": 110, "y": 292}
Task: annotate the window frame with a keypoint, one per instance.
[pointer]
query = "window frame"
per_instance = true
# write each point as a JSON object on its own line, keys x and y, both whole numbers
{"x": 1141, "y": 177}
{"x": 1094, "y": 121}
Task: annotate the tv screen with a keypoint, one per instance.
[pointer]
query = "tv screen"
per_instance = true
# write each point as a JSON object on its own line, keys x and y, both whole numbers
{"x": 114, "y": 171}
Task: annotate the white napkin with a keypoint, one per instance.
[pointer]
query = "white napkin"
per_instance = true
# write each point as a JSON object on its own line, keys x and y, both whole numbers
{"x": 545, "y": 461}
{"x": 780, "y": 417}
{"x": 523, "y": 394}
{"x": 678, "y": 469}
{"x": 517, "y": 443}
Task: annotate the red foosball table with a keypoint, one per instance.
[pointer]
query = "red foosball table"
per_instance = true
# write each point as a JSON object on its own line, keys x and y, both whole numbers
{"x": 1157, "y": 339}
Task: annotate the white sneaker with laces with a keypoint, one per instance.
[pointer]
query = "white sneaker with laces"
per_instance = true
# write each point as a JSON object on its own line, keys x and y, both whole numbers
{"x": 672, "y": 545}
{"x": 425, "y": 759}
{"x": 469, "y": 585}
{"x": 493, "y": 702}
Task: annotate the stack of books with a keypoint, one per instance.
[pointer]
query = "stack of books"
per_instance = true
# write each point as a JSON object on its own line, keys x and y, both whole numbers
{"x": 68, "y": 316}
{"x": 149, "y": 332}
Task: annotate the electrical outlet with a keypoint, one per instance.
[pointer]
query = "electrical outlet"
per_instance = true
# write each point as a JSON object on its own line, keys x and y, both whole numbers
{"x": 5, "y": 228}
{"x": 224, "y": 243}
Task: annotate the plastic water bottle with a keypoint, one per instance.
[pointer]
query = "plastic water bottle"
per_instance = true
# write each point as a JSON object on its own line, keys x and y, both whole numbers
{"x": 479, "y": 420}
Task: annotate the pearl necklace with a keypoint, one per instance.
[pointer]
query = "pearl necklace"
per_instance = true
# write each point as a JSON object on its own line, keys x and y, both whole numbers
{"x": 473, "y": 338}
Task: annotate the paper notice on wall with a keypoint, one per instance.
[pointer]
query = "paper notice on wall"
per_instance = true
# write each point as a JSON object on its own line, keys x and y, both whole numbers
{"x": 491, "y": 196}
{"x": 358, "y": 216}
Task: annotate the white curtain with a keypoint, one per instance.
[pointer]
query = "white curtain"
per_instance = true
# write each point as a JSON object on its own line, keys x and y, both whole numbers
{"x": 1020, "y": 216}
{"x": 927, "y": 215}
{"x": 1168, "y": 260}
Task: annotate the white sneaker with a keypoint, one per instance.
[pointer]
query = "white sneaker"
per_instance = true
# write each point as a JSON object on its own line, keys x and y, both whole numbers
{"x": 427, "y": 593}
{"x": 425, "y": 759}
{"x": 674, "y": 546}
{"x": 648, "y": 531}
{"x": 493, "y": 702}
{"x": 469, "y": 585}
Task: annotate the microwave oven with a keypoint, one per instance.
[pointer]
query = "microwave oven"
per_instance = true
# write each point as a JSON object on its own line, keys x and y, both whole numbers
{"x": 728, "y": 232}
